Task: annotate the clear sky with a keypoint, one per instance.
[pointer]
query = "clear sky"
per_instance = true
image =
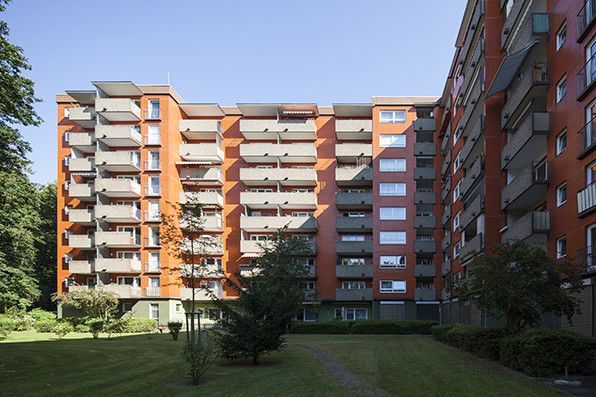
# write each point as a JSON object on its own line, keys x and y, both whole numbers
{"x": 226, "y": 51}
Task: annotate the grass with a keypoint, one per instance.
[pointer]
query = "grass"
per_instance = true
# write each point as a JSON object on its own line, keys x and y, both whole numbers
{"x": 37, "y": 364}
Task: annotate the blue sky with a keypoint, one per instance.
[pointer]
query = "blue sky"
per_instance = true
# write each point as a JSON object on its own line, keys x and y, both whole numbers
{"x": 233, "y": 51}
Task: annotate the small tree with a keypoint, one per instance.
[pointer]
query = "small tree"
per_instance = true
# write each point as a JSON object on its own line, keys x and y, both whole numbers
{"x": 199, "y": 355}
{"x": 94, "y": 302}
{"x": 182, "y": 233}
{"x": 520, "y": 282}
{"x": 255, "y": 323}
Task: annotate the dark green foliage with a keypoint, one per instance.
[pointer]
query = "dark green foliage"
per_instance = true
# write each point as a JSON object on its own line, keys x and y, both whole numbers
{"x": 40, "y": 314}
{"x": 45, "y": 325}
{"x": 94, "y": 302}
{"x": 22, "y": 320}
{"x": 95, "y": 326}
{"x": 522, "y": 283}
{"x": 199, "y": 355}
{"x": 484, "y": 341}
{"x": 255, "y": 323}
{"x": 321, "y": 327}
{"x": 45, "y": 245}
{"x": 6, "y": 326}
{"x": 135, "y": 325}
{"x": 174, "y": 327}
{"x": 62, "y": 329}
{"x": 547, "y": 353}
{"x": 439, "y": 332}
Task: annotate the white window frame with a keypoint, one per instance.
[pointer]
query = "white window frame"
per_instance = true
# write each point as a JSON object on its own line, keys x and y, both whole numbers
{"x": 561, "y": 36}
{"x": 392, "y": 213}
{"x": 397, "y": 286}
{"x": 393, "y": 237}
{"x": 392, "y": 165}
{"x": 392, "y": 116}
{"x": 560, "y": 242}
{"x": 456, "y": 191}
{"x": 457, "y": 162}
{"x": 392, "y": 140}
{"x": 392, "y": 189}
{"x": 392, "y": 261}
{"x": 456, "y": 220}
{"x": 154, "y": 307}
{"x": 560, "y": 189}
{"x": 561, "y": 89}
{"x": 456, "y": 249}
{"x": 150, "y": 186}
{"x": 560, "y": 149}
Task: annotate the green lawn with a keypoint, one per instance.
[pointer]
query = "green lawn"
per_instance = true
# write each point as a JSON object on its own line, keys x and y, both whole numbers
{"x": 37, "y": 364}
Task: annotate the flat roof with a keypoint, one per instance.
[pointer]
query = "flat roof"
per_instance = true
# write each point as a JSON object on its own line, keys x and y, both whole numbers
{"x": 273, "y": 109}
{"x": 118, "y": 88}
{"x": 202, "y": 109}
{"x": 353, "y": 109}
{"x": 405, "y": 100}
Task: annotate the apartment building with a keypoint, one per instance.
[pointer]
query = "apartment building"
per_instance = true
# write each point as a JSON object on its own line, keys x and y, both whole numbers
{"x": 516, "y": 140}
{"x": 357, "y": 180}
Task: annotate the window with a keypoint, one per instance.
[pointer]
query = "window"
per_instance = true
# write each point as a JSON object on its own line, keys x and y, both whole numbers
{"x": 261, "y": 237}
{"x": 134, "y": 255}
{"x": 562, "y": 194}
{"x": 178, "y": 307}
{"x": 561, "y": 35}
{"x": 153, "y": 112}
{"x": 153, "y": 265}
{"x": 132, "y": 281}
{"x": 127, "y": 307}
{"x": 393, "y": 117}
{"x": 393, "y": 286}
{"x": 393, "y": 189}
{"x": 397, "y": 262}
{"x": 456, "y": 191}
{"x": 561, "y": 247}
{"x": 154, "y": 312}
{"x": 353, "y": 285}
{"x": 154, "y": 282}
{"x": 354, "y": 215}
{"x": 561, "y": 89}
{"x": 456, "y": 163}
{"x": 309, "y": 285}
{"x": 456, "y": 249}
{"x": 352, "y": 237}
{"x": 393, "y": 165}
{"x": 393, "y": 237}
{"x": 561, "y": 142}
{"x": 456, "y": 220}
{"x": 153, "y": 188}
{"x": 393, "y": 214}
{"x": 153, "y": 135}
{"x": 355, "y": 314}
{"x": 153, "y": 211}
{"x": 352, "y": 261}
{"x": 154, "y": 236}
{"x": 153, "y": 162}
{"x": 393, "y": 141}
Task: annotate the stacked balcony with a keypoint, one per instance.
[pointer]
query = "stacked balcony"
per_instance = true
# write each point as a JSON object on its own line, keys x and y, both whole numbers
{"x": 200, "y": 129}
{"x": 528, "y": 142}
{"x": 256, "y": 247}
{"x": 473, "y": 174}
{"x": 81, "y": 241}
{"x": 83, "y": 141}
{"x": 425, "y": 173}
{"x": 123, "y": 291}
{"x": 118, "y": 109}
{"x": 353, "y": 175}
{"x": 425, "y": 270}
{"x": 284, "y": 153}
{"x": 201, "y": 294}
{"x": 82, "y": 191}
{"x": 261, "y": 224}
{"x": 425, "y": 246}
{"x": 201, "y": 152}
{"x": 83, "y": 164}
{"x": 118, "y": 187}
{"x": 354, "y": 294}
{"x": 353, "y": 247}
{"x": 445, "y": 267}
{"x": 585, "y": 18}
{"x": 82, "y": 216}
{"x": 351, "y": 152}
{"x": 118, "y": 265}
{"x": 586, "y": 77}
{"x": 531, "y": 227}
{"x": 81, "y": 267}
{"x": 118, "y": 213}
{"x": 359, "y": 130}
{"x": 472, "y": 248}
{"x": 446, "y": 242}
{"x": 202, "y": 176}
{"x": 446, "y": 215}
{"x": 586, "y": 200}
{"x": 118, "y": 161}
{"x": 84, "y": 116}
{"x": 208, "y": 199}
{"x": 116, "y": 239}
{"x": 472, "y": 211}
{"x": 527, "y": 188}
{"x": 472, "y": 108}
{"x": 119, "y": 135}
{"x": 474, "y": 143}
{"x": 445, "y": 165}
{"x": 347, "y": 224}
{"x": 283, "y": 176}
{"x": 425, "y": 294}
{"x": 353, "y": 200}
{"x": 284, "y": 200}
{"x": 532, "y": 83}
{"x": 586, "y": 138}
{"x": 424, "y": 197}
{"x": 268, "y": 130}
{"x": 425, "y": 124}
{"x": 353, "y": 272}
{"x": 426, "y": 221}
{"x": 424, "y": 148}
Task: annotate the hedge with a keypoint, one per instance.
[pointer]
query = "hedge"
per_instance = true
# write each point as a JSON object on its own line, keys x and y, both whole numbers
{"x": 45, "y": 325}
{"x": 400, "y": 327}
{"x": 484, "y": 341}
{"x": 547, "y": 352}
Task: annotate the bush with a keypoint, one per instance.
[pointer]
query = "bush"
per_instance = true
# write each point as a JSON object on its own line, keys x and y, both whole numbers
{"x": 83, "y": 328}
{"x": 114, "y": 326}
{"x": 131, "y": 325}
{"x": 40, "y": 315}
{"x": 484, "y": 341}
{"x": 45, "y": 325}
{"x": 6, "y": 326}
{"x": 174, "y": 327}
{"x": 95, "y": 326}
{"x": 439, "y": 332}
{"x": 63, "y": 328}
{"x": 22, "y": 320}
{"x": 324, "y": 327}
{"x": 399, "y": 327}
{"x": 198, "y": 357}
{"x": 547, "y": 352}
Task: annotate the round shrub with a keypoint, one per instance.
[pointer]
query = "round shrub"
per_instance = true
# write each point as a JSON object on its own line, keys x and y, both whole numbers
{"x": 95, "y": 326}
{"x": 174, "y": 327}
{"x": 6, "y": 326}
{"x": 134, "y": 325}
{"x": 40, "y": 315}
{"x": 45, "y": 325}
{"x": 439, "y": 332}
{"x": 82, "y": 328}
{"x": 22, "y": 320}
{"x": 63, "y": 328}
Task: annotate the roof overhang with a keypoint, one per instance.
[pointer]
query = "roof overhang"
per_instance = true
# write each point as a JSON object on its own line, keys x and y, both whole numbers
{"x": 284, "y": 110}
{"x": 118, "y": 88}
{"x": 202, "y": 109}
{"x": 405, "y": 100}
{"x": 508, "y": 70}
{"x": 84, "y": 97}
{"x": 353, "y": 109}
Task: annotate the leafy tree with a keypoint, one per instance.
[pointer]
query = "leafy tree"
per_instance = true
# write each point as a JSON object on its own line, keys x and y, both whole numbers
{"x": 520, "y": 283}
{"x": 45, "y": 244}
{"x": 255, "y": 323}
{"x": 199, "y": 355}
{"x": 94, "y": 302}
{"x": 182, "y": 233}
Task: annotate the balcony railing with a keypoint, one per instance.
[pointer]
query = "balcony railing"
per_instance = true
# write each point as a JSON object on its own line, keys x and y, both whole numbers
{"x": 353, "y": 294}
{"x": 586, "y": 77}
{"x": 587, "y": 138}
{"x": 349, "y": 175}
{"x": 472, "y": 247}
{"x": 532, "y": 226}
{"x": 425, "y": 294}
{"x": 529, "y": 184}
{"x": 354, "y": 271}
{"x": 586, "y": 199}
{"x": 587, "y": 257}
{"x": 533, "y": 75}
{"x": 585, "y": 18}
{"x": 528, "y": 141}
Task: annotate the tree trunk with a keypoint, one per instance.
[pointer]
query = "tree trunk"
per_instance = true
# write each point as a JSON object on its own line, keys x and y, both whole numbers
{"x": 255, "y": 360}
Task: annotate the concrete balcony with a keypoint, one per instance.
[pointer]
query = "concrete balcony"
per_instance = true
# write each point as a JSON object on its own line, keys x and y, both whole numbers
{"x": 474, "y": 144}
{"x": 531, "y": 227}
{"x": 118, "y": 109}
{"x": 284, "y": 153}
{"x": 353, "y": 272}
{"x": 112, "y": 239}
{"x": 472, "y": 248}
{"x": 202, "y": 152}
{"x": 446, "y": 242}
{"x": 519, "y": 31}
{"x": 445, "y": 191}
{"x": 117, "y": 265}
{"x": 119, "y": 161}
{"x": 473, "y": 109}
{"x": 425, "y": 124}
{"x": 346, "y": 295}
{"x": 425, "y": 173}
{"x": 118, "y": 187}
{"x": 446, "y": 215}
{"x": 354, "y": 247}
{"x": 256, "y": 247}
{"x": 118, "y": 213}
{"x": 119, "y": 135}
{"x": 201, "y": 294}
{"x": 425, "y": 222}
{"x": 357, "y": 130}
{"x": 206, "y": 270}
{"x": 586, "y": 136}
{"x": 209, "y": 199}
{"x": 472, "y": 211}
{"x": 527, "y": 188}
{"x": 212, "y": 223}
{"x": 350, "y": 152}
{"x": 425, "y": 294}
{"x": 273, "y": 176}
{"x": 353, "y": 201}
{"x": 424, "y": 149}
{"x": 473, "y": 174}
{"x": 83, "y": 141}
{"x": 82, "y": 216}
{"x": 200, "y": 129}
{"x": 202, "y": 176}
{"x": 532, "y": 83}
{"x": 346, "y": 224}
{"x": 82, "y": 191}
{"x": 586, "y": 200}
{"x": 474, "y": 60}
{"x": 445, "y": 165}
{"x": 83, "y": 164}
{"x": 298, "y": 129}
{"x": 528, "y": 142}
{"x": 445, "y": 267}
{"x": 422, "y": 197}
{"x": 84, "y": 116}
{"x": 425, "y": 246}
{"x": 285, "y": 200}
{"x": 214, "y": 246}
{"x": 425, "y": 270}
{"x": 445, "y": 143}
{"x": 261, "y": 224}
{"x": 123, "y": 291}
{"x": 81, "y": 241}
{"x": 353, "y": 176}
{"x": 475, "y": 23}
{"x": 81, "y": 267}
